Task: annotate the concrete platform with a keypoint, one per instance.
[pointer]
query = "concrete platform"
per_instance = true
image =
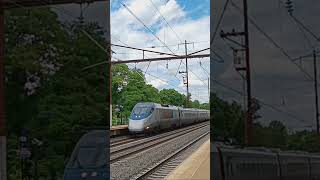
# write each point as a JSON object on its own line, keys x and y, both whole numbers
{"x": 119, "y": 130}
{"x": 195, "y": 167}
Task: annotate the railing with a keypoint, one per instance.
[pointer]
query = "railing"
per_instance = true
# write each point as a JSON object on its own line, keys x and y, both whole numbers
{"x": 119, "y": 121}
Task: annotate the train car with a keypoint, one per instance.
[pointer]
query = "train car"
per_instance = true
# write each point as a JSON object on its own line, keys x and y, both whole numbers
{"x": 203, "y": 115}
{"x": 315, "y": 166}
{"x": 148, "y": 117}
{"x": 89, "y": 158}
{"x": 188, "y": 116}
{"x": 246, "y": 164}
{"x": 152, "y": 117}
{"x": 231, "y": 163}
{"x": 294, "y": 165}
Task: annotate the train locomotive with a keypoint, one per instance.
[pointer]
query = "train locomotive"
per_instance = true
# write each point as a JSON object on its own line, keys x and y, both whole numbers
{"x": 149, "y": 117}
{"x": 89, "y": 158}
{"x": 232, "y": 163}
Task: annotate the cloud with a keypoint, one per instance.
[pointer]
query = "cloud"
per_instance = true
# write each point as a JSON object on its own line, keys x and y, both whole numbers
{"x": 157, "y": 83}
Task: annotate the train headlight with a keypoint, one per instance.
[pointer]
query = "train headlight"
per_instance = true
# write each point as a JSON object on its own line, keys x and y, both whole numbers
{"x": 84, "y": 174}
{"x": 147, "y": 127}
{"x": 94, "y": 174}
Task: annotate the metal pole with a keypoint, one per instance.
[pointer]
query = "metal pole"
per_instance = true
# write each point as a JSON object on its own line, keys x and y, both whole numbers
{"x": 316, "y": 87}
{"x": 248, "y": 123}
{"x": 150, "y": 60}
{"x": 209, "y": 88}
{"x": 3, "y": 133}
{"x": 185, "y": 43}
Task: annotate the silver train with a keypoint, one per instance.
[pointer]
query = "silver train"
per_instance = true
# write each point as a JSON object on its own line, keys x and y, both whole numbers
{"x": 89, "y": 158}
{"x": 148, "y": 116}
{"x": 230, "y": 163}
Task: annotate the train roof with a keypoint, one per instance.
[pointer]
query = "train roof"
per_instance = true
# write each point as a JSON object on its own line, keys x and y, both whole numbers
{"x": 93, "y": 138}
{"x": 152, "y": 104}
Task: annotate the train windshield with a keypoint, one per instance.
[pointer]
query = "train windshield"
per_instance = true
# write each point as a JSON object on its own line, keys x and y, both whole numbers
{"x": 89, "y": 157}
{"x": 142, "y": 110}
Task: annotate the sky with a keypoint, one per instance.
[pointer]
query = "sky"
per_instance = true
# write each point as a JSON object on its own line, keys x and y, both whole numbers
{"x": 275, "y": 79}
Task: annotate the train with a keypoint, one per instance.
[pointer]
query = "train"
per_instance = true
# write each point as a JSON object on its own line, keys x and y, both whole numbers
{"x": 153, "y": 117}
{"x": 89, "y": 158}
{"x": 252, "y": 163}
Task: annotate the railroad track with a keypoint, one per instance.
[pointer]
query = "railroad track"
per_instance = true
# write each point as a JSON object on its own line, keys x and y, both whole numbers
{"x": 148, "y": 139}
{"x": 131, "y": 139}
{"x": 124, "y": 141}
{"x": 116, "y": 155}
{"x": 168, "y": 164}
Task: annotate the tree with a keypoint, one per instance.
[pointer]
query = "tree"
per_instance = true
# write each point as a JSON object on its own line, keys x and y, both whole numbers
{"x": 172, "y": 97}
{"x": 275, "y": 135}
{"x": 44, "y": 61}
{"x": 196, "y": 104}
{"x": 226, "y": 119}
{"x": 205, "y": 106}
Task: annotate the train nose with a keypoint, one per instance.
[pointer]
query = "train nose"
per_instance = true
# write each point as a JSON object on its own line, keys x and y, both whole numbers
{"x": 136, "y": 125}
{"x": 94, "y": 174}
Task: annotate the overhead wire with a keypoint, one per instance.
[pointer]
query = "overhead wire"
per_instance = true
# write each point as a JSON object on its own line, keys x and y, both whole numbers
{"x": 273, "y": 42}
{"x": 260, "y": 101}
{"x": 219, "y": 22}
{"x": 166, "y": 21}
{"x": 133, "y": 14}
{"x": 158, "y": 78}
{"x": 302, "y": 29}
{"x": 137, "y": 18}
{"x": 171, "y": 29}
{"x": 145, "y": 55}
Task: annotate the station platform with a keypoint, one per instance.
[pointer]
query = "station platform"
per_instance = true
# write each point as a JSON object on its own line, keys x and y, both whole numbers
{"x": 119, "y": 130}
{"x": 195, "y": 167}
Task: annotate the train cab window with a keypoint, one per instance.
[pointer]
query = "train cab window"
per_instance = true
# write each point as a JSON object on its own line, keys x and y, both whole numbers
{"x": 90, "y": 157}
{"x": 142, "y": 111}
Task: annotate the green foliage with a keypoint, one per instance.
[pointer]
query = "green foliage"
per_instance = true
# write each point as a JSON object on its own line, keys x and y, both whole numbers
{"x": 227, "y": 119}
{"x": 172, "y": 97}
{"x": 305, "y": 141}
{"x": 67, "y": 99}
{"x": 275, "y": 135}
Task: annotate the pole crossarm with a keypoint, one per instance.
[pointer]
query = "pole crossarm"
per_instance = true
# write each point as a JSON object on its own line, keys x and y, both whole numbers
{"x": 233, "y": 33}
{"x": 310, "y": 55}
{"x": 199, "y": 51}
{"x": 159, "y": 59}
{"x": 145, "y": 50}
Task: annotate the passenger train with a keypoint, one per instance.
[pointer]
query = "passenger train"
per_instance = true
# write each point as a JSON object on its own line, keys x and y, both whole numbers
{"x": 89, "y": 158}
{"x": 148, "y": 117}
{"x": 231, "y": 163}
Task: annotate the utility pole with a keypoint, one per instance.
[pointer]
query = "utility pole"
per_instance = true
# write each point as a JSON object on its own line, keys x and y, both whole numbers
{"x": 289, "y": 6}
{"x": 249, "y": 112}
{"x": 186, "y": 73}
{"x": 186, "y": 50}
{"x": 209, "y": 88}
{"x": 244, "y": 47}
{"x": 316, "y": 87}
